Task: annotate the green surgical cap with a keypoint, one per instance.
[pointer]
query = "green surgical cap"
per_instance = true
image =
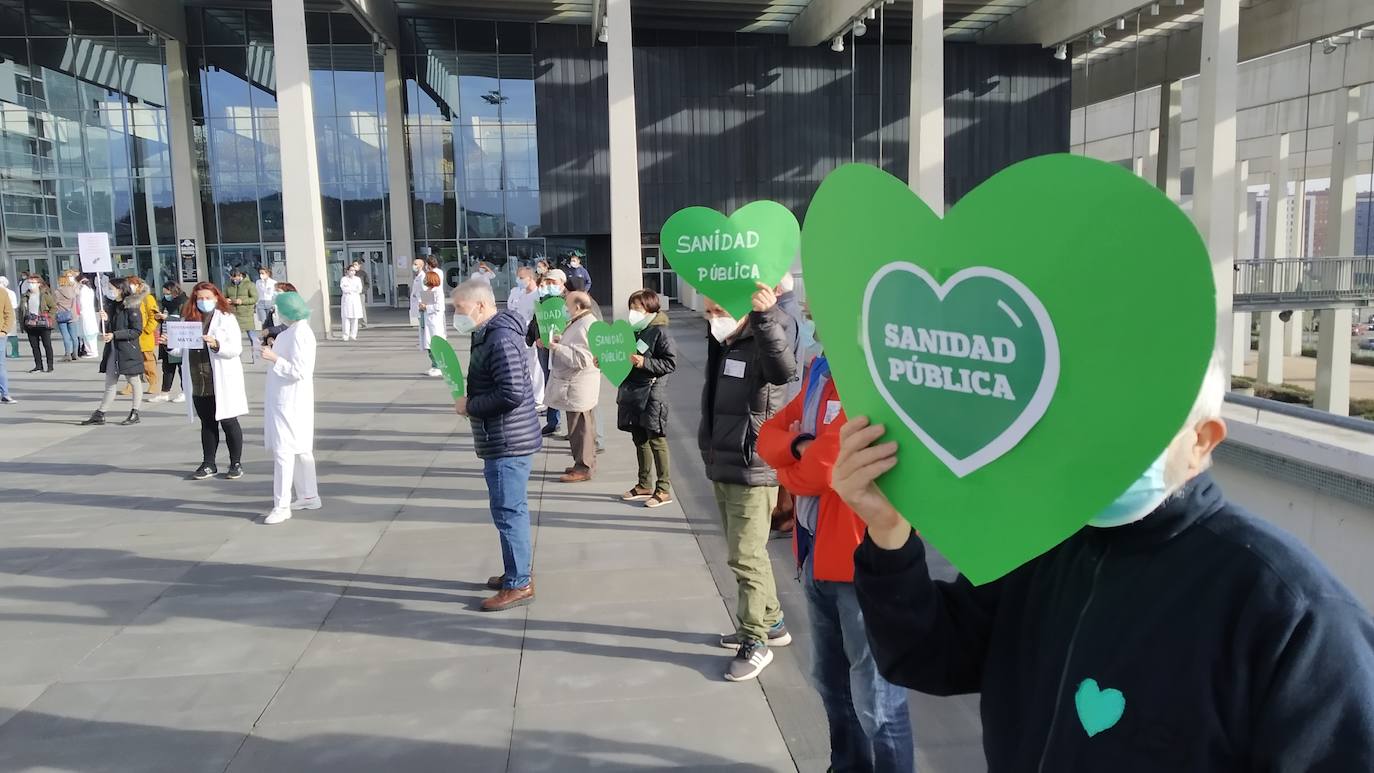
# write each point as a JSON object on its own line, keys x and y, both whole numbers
{"x": 292, "y": 306}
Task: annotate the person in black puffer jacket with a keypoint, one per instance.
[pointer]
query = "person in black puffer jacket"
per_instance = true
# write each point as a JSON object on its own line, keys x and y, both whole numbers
{"x": 748, "y": 365}
{"x": 505, "y": 430}
{"x": 642, "y": 401}
{"x": 123, "y": 356}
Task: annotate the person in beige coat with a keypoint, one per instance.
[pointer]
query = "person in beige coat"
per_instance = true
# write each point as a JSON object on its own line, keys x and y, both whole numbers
{"x": 575, "y": 386}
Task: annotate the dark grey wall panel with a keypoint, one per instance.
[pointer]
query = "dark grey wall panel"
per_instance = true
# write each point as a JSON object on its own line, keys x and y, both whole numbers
{"x": 721, "y": 126}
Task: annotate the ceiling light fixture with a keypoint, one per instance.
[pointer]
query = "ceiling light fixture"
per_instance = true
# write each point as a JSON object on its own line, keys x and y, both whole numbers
{"x": 603, "y": 35}
{"x": 859, "y": 29}
{"x": 1154, "y": 9}
{"x": 837, "y": 45}
{"x": 873, "y": 12}
{"x": 1061, "y": 52}
{"x": 1099, "y": 37}
{"x": 1121, "y": 24}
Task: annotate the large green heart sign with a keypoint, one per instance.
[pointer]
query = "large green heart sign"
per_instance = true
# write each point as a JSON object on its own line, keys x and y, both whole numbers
{"x": 612, "y": 346}
{"x": 448, "y": 365}
{"x": 552, "y": 315}
{"x": 724, "y": 258}
{"x": 1031, "y": 353}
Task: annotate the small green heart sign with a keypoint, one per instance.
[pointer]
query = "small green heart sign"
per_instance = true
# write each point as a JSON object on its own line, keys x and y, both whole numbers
{"x": 1098, "y": 709}
{"x": 552, "y": 315}
{"x": 724, "y": 258}
{"x": 999, "y": 348}
{"x": 448, "y": 365}
{"x": 612, "y": 344}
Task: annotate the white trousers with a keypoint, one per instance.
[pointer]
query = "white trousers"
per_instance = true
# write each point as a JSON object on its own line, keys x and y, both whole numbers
{"x": 350, "y": 328}
{"x": 297, "y": 468}
{"x": 536, "y": 375}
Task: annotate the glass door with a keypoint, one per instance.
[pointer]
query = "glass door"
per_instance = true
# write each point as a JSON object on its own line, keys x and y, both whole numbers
{"x": 377, "y": 273}
{"x": 658, "y": 275}
{"x": 334, "y": 266}
{"x": 32, "y": 264}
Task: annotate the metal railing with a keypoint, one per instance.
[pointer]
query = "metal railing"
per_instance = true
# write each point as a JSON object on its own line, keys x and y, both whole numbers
{"x": 1301, "y": 412}
{"x": 1304, "y": 282}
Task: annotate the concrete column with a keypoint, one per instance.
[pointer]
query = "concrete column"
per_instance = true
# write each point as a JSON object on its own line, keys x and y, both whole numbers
{"x": 1214, "y": 200}
{"x": 1293, "y": 334}
{"x": 626, "y": 273}
{"x": 398, "y": 181}
{"x": 1240, "y": 330}
{"x": 1333, "y": 340}
{"x": 1152, "y": 155}
{"x": 926, "y": 164}
{"x": 181, "y": 142}
{"x": 1170, "y": 130}
{"x": 1271, "y": 352}
{"x": 300, "y": 173}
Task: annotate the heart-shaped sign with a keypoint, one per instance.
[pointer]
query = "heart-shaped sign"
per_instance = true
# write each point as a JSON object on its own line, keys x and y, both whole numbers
{"x": 724, "y": 258}
{"x": 1031, "y": 353}
{"x": 612, "y": 344}
{"x": 448, "y": 365}
{"x": 552, "y": 315}
{"x": 1098, "y": 709}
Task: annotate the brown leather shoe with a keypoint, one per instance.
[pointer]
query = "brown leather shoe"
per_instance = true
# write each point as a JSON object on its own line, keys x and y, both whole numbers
{"x": 567, "y": 470}
{"x": 509, "y": 598}
{"x": 576, "y": 476}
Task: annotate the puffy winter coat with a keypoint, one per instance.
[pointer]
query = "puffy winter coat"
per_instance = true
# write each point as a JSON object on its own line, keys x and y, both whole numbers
{"x": 642, "y": 401}
{"x": 246, "y": 292}
{"x": 500, "y": 396}
{"x": 745, "y": 380}
{"x": 574, "y": 379}
{"x": 125, "y": 325}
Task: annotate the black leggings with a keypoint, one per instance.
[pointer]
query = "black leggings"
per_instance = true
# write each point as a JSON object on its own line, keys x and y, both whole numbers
{"x": 43, "y": 337}
{"x": 172, "y": 371}
{"x": 209, "y": 432}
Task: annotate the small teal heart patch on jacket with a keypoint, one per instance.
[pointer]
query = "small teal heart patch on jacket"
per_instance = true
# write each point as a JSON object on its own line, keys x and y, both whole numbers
{"x": 1098, "y": 709}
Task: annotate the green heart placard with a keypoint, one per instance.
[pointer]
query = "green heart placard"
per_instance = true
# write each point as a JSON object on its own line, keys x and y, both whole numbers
{"x": 725, "y": 258}
{"x": 1098, "y": 709}
{"x": 990, "y": 343}
{"x": 612, "y": 344}
{"x": 552, "y": 315}
{"x": 448, "y": 365}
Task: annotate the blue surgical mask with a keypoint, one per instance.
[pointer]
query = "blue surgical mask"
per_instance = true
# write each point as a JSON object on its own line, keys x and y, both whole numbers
{"x": 206, "y": 305}
{"x": 1139, "y": 500}
{"x": 810, "y": 347}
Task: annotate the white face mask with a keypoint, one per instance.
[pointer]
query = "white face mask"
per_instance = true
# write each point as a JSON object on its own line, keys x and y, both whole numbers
{"x": 637, "y": 319}
{"x": 463, "y": 324}
{"x": 723, "y": 327}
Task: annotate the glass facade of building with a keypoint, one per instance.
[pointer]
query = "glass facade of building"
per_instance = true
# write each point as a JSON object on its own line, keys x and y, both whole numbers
{"x": 83, "y": 138}
{"x": 470, "y": 135}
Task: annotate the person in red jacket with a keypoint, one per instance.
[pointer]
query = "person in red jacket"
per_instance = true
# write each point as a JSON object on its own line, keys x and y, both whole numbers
{"x": 870, "y": 725}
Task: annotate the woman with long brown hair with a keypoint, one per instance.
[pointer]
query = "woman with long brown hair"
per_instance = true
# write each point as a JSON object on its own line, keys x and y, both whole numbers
{"x": 214, "y": 376}
{"x": 123, "y": 315}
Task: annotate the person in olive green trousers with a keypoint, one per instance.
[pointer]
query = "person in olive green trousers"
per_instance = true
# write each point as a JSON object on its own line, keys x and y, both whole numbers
{"x": 243, "y": 296}
{"x": 8, "y": 324}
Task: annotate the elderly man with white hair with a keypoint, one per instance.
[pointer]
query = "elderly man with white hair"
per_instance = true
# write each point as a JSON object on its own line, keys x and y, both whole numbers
{"x": 1174, "y": 632}
{"x": 505, "y": 430}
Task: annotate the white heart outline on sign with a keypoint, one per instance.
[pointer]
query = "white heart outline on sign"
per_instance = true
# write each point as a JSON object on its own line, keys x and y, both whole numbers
{"x": 1035, "y": 408}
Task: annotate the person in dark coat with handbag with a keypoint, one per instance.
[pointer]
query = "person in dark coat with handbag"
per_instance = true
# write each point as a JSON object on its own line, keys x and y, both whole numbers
{"x": 38, "y": 308}
{"x": 748, "y": 365}
{"x": 505, "y": 430}
{"x": 642, "y": 401}
{"x": 123, "y": 356}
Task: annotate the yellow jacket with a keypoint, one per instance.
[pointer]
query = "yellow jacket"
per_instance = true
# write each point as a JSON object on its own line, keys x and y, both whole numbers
{"x": 147, "y": 340}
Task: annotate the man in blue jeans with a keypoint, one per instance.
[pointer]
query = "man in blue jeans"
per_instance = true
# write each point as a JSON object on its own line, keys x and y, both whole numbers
{"x": 505, "y": 430}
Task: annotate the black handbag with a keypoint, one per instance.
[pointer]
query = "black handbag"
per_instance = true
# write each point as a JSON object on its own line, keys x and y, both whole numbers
{"x": 38, "y": 321}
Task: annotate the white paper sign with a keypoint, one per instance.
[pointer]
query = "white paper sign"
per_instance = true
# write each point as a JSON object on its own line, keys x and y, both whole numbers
{"x": 184, "y": 335}
{"x": 734, "y": 368}
{"x": 95, "y": 252}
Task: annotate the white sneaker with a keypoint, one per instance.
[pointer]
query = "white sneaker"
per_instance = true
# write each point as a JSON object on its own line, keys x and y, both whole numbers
{"x": 159, "y": 398}
{"x": 433, "y": 372}
{"x": 181, "y": 398}
{"x": 277, "y": 515}
{"x": 313, "y": 503}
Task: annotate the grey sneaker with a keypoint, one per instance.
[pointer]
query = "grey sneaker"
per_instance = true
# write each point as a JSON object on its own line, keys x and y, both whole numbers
{"x": 777, "y": 637}
{"x": 749, "y": 661}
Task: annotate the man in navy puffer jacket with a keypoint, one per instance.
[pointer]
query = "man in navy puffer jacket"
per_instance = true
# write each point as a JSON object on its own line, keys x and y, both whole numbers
{"x": 505, "y": 430}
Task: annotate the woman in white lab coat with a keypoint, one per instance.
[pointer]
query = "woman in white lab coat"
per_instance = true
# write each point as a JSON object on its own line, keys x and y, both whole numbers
{"x": 432, "y": 316}
{"x": 213, "y": 377}
{"x": 351, "y": 303}
{"x": 89, "y": 316}
{"x": 267, "y": 293}
{"x": 289, "y": 411}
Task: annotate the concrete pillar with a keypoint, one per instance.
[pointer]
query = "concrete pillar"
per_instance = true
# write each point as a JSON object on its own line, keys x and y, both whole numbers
{"x": 1167, "y": 176}
{"x": 185, "y": 175}
{"x": 300, "y": 172}
{"x": 1271, "y": 345}
{"x": 398, "y": 181}
{"x": 1214, "y": 200}
{"x": 1240, "y": 330}
{"x": 1152, "y": 155}
{"x": 1293, "y": 334}
{"x": 626, "y": 273}
{"x": 926, "y": 164}
{"x": 1333, "y": 341}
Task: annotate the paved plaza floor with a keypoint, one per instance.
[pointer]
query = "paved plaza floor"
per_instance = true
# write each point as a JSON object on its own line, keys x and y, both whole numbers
{"x": 149, "y": 623}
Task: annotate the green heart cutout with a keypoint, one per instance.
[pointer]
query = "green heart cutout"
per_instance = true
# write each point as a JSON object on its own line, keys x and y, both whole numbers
{"x": 1098, "y": 709}
{"x": 724, "y": 258}
{"x": 448, "y": 365}
{"x": 612, "y": 344}
{"x": 1087, "y": 242}
{"x": 552, "y": 315}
